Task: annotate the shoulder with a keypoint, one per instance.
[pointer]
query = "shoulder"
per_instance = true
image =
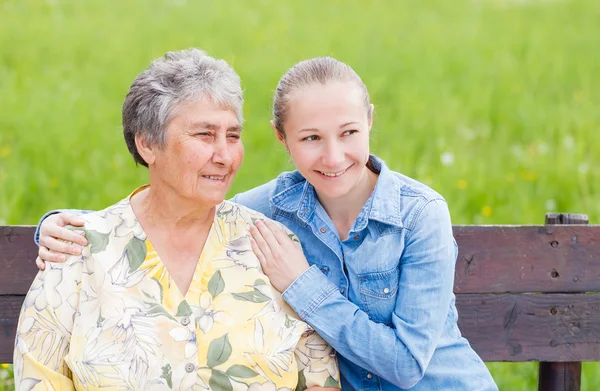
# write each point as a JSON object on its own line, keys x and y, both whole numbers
{"x": 259, "y": 198}
{"x": 420, "y": 202}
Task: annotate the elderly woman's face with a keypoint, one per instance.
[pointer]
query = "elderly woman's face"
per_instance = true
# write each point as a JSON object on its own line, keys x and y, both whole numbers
{"x": 203, "y": 152}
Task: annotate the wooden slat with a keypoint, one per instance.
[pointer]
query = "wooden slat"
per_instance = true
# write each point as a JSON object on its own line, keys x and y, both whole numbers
{"x": 17, "y": 259}
{"x": 500, "y": 327}
{"x": 554, "y": 258}
{"x": 531, "y": 327}
{"x": 10, "y": 307}
{"x": 492, "y": 259}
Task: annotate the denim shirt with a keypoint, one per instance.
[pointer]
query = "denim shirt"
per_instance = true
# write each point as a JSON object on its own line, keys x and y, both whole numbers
{"x": 383, "y": 297}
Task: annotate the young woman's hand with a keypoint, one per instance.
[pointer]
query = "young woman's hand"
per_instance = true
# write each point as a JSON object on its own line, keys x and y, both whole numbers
{"x": 281, "y": 259}
{"x": 56, "y": 241}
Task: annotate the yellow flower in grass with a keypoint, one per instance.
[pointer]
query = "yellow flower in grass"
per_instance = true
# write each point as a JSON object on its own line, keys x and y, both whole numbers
{"x": 462, "y": 184}
{"x": 486, "y": 211}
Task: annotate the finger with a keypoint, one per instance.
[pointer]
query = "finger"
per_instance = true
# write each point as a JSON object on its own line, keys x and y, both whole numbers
{"x": 280, "y": 235}
{"x": 61, "y": 233}
{"x": 40, "y": 264}
{"x": 258, "y": 253}
{"x": 267, "y": 234}
{"x": 260, "y": 241}
{"x": 59, "y": 246}
{"x": 50, "y": 256}
{"x": 72, "y": 219}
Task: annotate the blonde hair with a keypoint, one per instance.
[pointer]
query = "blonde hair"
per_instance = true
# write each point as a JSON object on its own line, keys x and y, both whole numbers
{"x": 315, "y": 70}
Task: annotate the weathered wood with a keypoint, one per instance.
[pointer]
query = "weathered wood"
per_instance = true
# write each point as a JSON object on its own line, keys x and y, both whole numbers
{"x": 17, "y": 259}
{"x": 496, "y": 259}
{"x": 492, "y": 259}
{"x": 531, "y": 327}
{"x": 500, "y": 327}
{"x": 10, "y": 307}
{"x": 561, "y": 376}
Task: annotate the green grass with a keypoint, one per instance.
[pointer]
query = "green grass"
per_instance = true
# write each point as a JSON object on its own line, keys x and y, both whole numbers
{"x": 509, "y": 89}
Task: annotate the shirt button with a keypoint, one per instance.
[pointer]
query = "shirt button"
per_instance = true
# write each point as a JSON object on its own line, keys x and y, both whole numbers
{"x": 323, "y": 229}
{"x": 369, "y": 376}
{"x": 356, "y": 237}
{"x": 342, "y": 290}
{"x": 185, "y": 320}
{"x": 386, "y": 290}
{"x": 189, "y": 368}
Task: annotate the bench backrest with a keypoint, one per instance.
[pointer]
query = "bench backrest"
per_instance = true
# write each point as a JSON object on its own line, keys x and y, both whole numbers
{"x": 523, "y": 293}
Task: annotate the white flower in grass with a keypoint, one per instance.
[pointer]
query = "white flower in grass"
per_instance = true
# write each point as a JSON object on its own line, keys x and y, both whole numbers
{"x": 447, "y": 158}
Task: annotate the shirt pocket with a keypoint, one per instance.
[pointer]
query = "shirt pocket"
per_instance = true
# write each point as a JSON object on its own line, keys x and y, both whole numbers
{"x": 378, "y": 291}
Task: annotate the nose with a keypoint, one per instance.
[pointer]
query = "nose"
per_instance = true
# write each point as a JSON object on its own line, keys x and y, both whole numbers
{"x": 221, "y": 152}
{"x": 333, "y": 155}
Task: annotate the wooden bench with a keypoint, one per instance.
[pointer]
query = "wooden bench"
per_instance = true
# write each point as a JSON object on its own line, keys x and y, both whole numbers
{"x": 524, "y": 293}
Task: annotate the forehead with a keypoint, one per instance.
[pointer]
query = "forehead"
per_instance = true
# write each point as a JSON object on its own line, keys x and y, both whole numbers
{"x": 204, "y": 110}
{"x": 332, "y": 101}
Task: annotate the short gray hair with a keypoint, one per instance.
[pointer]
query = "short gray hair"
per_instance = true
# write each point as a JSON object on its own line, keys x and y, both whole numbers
{"x": 319, "y": 70}
{"x": 169, "y": 81}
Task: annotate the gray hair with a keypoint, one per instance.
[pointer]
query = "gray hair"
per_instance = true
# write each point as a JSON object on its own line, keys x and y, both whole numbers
{"x": 169, "y": 81}
{"x": 315, "y": 70}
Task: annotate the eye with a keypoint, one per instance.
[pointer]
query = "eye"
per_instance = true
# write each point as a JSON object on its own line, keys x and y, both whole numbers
{"x": 311, "y": 138}
{"x": 203, "y": 134}
{"x": 349, "y": 132}
{"x": 234, "y": 136}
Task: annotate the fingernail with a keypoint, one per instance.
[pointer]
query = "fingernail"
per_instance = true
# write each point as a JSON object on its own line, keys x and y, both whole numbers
{"x": 62, "y": 258}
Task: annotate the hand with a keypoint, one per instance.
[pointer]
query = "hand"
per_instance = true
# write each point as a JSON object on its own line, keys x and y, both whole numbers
{"x": 281, "y": 259}
{"x": 54, "y": 237}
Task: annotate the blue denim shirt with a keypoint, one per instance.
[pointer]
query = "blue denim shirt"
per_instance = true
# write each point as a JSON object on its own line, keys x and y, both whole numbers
{"x": 383, "y": 297}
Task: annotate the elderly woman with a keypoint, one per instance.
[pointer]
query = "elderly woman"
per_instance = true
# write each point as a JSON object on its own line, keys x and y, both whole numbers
{"x": 168, "y": 293}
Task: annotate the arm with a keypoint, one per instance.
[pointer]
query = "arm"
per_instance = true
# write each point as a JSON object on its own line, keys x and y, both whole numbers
{"x": 317, "y": 365}
{"x": 399, "y": 354}
{"x": 45, "y": 326}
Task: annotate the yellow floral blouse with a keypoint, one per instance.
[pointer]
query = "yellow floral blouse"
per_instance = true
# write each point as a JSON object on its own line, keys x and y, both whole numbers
{"x": 113, "y": 318}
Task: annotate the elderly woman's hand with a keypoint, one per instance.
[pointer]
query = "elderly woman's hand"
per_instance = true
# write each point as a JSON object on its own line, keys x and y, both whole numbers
{"x": 56, "y": 241}
{"x": 281, "y": 259}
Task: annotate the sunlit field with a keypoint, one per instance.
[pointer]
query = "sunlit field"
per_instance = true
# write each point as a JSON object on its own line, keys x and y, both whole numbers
{"x": 495, "y": 104}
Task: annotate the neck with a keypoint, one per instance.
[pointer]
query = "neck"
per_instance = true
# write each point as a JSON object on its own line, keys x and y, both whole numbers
{"x": 156, "y": 206}
{"x": 344, "y": 210}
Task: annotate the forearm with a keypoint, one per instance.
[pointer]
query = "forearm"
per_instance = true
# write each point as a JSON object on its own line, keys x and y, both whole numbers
{"x": 373, "y": 346}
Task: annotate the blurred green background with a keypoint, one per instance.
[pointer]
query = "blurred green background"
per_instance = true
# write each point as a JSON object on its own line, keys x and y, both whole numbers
{"x": 494, "y": 103}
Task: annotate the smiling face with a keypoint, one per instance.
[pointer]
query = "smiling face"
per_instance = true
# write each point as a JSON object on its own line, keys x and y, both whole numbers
{"x": 327, "y": 130}
{"x": 202, "y": 154}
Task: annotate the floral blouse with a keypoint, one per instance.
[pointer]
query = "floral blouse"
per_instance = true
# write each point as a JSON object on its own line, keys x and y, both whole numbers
{"x": 114, "y": 319}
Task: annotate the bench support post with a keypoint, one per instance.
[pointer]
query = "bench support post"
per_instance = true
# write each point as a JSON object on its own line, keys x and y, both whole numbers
{"x": 563, "y": 376}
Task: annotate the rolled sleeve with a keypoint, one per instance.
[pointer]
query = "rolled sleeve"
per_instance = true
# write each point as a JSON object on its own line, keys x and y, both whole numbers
{"x": 308, "y": 291}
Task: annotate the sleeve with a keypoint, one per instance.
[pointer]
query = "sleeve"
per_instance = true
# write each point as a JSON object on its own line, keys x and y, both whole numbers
{"x": 36, "y": 236}
{"x": 398, "y": 354}
{"x": 317, "y": 364}
{"x": 45, "y": 326}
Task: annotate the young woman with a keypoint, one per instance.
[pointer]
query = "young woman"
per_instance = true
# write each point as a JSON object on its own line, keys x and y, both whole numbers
{"x": 376, "y": 273}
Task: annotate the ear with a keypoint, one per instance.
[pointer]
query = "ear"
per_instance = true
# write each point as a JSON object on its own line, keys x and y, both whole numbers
{"x": 371, "y": 112}
{"x": 145, "y": 149}
{"x": 279, "y": 136}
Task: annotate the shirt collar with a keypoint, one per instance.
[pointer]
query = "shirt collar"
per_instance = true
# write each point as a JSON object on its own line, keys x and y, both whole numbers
{"x": 383, "y": 205}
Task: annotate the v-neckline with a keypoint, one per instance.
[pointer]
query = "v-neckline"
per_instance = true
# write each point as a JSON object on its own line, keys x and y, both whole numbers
{"x": 195, "y": 284}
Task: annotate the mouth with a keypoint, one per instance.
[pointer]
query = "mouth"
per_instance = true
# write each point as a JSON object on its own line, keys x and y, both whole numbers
{"x": 215, "y": 178}
{"x": 335, "y": 174}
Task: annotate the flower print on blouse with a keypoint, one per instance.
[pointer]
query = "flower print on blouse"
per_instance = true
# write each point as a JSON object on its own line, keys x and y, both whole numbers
{"x": 113, "y": 318}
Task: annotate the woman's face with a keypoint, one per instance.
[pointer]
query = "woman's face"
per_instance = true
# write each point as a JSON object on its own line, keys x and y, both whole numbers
{"x": 202, "y": 154}
{"x": 327, "y": 134}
